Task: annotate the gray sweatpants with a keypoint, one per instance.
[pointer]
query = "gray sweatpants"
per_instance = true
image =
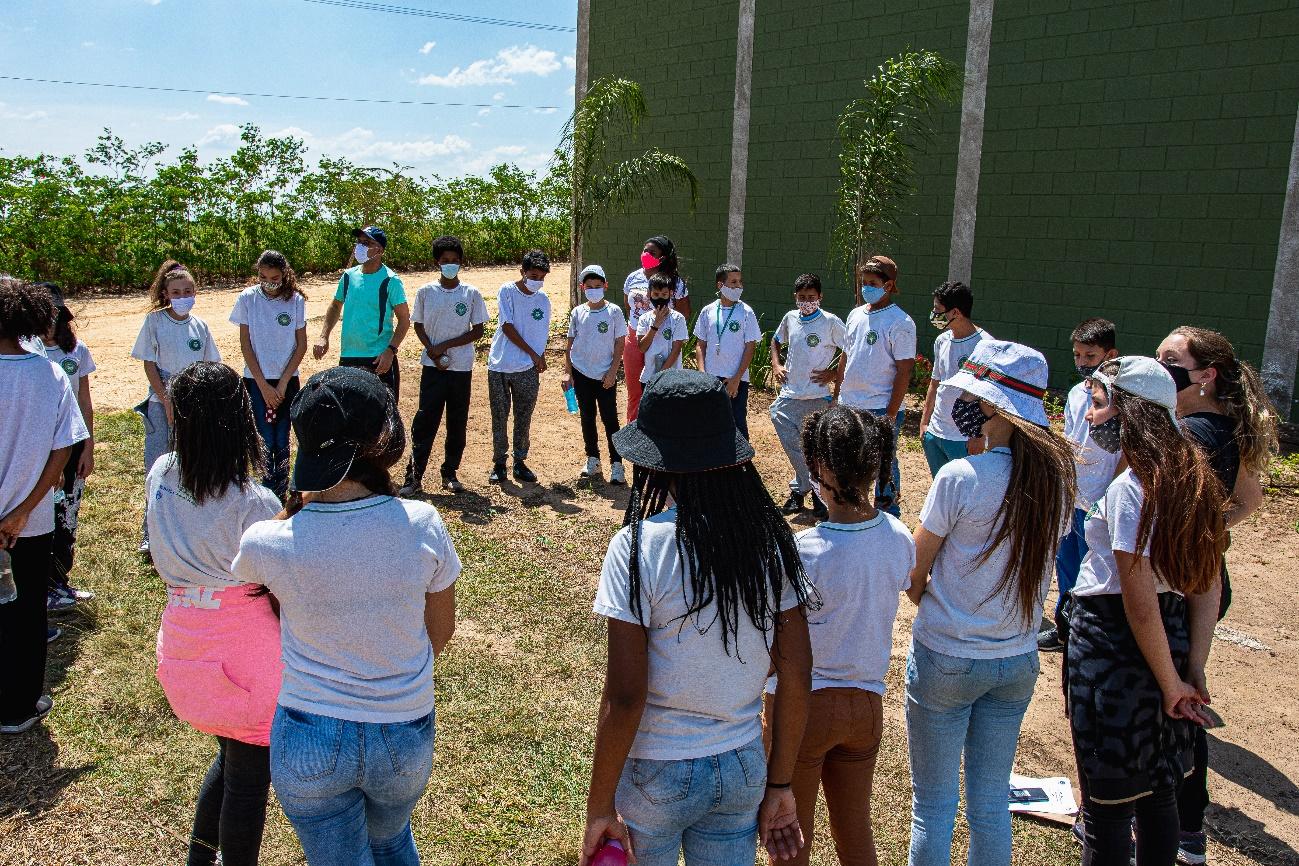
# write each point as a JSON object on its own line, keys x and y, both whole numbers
{"x": 520, "y": 389}
{"x": 157, "y": 442}
{"x": 787, "y": 416}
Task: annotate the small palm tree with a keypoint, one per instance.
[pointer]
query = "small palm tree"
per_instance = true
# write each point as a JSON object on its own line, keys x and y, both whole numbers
{"x": 881, "y": 133}
{"x": 611, "y": 106}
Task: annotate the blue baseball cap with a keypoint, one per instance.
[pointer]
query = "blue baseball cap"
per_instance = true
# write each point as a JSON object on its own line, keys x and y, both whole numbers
{"x": 374, "y": 233}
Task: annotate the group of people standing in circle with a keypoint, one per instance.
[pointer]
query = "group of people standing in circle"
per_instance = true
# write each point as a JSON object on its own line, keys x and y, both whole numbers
{"x": 746, "y": 663}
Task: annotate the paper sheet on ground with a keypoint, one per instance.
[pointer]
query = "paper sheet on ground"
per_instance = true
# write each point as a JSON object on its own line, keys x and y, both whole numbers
{"x": 1058, "y": 790}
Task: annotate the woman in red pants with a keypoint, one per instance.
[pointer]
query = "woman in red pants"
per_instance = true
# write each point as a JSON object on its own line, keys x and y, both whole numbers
{"x": 658, "y": 256}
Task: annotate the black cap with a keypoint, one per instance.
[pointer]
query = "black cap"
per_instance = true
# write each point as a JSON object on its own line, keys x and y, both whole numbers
{"x": 56, "y": 295}
{"x": 685, "y": 424}
{"x": 374, "y": 233}
{"x": 337, "y": 413}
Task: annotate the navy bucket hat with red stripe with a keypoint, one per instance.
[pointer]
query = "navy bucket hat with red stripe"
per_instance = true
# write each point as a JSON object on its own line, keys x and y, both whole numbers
{"x": 1010, "y": 376}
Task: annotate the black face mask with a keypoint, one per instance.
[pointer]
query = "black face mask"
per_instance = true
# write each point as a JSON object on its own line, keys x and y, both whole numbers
{"x": 969, "y": 418}
{"x": 1106, "y": 436}
{"x": 660, "y": 302}
{"x": 1181, "y": 375}
{"x": 1086, "y": 370}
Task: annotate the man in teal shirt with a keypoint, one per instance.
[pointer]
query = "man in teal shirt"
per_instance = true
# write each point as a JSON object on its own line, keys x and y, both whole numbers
{"x": 369, "y": 297}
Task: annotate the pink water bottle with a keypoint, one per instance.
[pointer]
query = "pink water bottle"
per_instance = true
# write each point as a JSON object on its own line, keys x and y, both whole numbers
{"x": 611, "y": 854}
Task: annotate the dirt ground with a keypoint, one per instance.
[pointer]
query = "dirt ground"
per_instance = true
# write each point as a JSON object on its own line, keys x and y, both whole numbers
{"x": 1254, "y": 759}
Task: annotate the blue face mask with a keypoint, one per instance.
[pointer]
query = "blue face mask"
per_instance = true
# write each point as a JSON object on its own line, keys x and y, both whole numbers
{"x": 871, "y": 294}
{"x": 449, "y": 271}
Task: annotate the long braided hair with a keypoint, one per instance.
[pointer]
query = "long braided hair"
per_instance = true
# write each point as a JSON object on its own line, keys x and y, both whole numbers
{"x": 736, "y": 549}
{"x": 215, "y": 435}
{"x": 856, "y": 447}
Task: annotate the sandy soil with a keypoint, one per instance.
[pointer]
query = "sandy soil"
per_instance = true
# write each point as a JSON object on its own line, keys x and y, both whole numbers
{"x": 1254, "y": 775}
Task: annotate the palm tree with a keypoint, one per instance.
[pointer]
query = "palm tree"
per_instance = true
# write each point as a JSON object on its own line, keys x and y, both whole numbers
{"x": 600, "y": 188}
{"x": 881, "y": 133}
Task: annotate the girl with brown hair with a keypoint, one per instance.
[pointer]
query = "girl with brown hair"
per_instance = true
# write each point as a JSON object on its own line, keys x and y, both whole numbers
{"x": 1144, "y": 609}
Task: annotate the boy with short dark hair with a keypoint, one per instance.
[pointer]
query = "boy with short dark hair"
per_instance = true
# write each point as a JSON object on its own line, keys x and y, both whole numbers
{"x": 596, "y": 331}
{"x": 449, "y": 316}
{"x": 727, "y": 331}
{"x": 1093, "y": 345}
{"x": 942, "y": 442}
{"x": 812, "y": 338}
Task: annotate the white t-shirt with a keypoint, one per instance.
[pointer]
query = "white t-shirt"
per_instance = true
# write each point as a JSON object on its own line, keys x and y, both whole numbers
{"x": 192, "y": 544}
{"x": 446, "y": 314}
{"x": 674, "y": 330}
{"x": 701, "y": 701}
{"x": 812, "y": 344}
{"x": 351, "y": 579}
{"x": 1112, "y": 525}
{"x": 273, "y": 325}
{"x": 961, "y": 613}
{"x": 173, "y": 345}
{"x": 75, "y": 364}
{"x": 875, "y": 342}
{"x": 739, "y": 327}
{"x": 636, "y": 288}
{"x": 530, "y": 316}
{"x": 594, "y": 333}
{"x": 1096, "y": 466}
{"x": 949, "y": 354}
{"x": 40, "y": 415}
{"x": 859, "y": 570}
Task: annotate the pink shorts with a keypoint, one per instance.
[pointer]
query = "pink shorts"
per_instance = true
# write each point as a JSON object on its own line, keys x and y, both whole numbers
{"x": 219, "y": 660}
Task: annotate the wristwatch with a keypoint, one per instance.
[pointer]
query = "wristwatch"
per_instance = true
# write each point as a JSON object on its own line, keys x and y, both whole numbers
{"x": 394, "y": 348}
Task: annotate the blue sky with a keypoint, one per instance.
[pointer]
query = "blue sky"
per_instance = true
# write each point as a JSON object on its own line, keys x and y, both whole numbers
{"x": 290, "y": 47}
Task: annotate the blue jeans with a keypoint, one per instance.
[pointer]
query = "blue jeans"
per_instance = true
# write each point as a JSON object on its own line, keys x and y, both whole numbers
{"x": 1069, "y": 557}
{"x": 971, "y": 705}
{"x": 888, "y": 492}
{"x": 940, "y": 452}
{"x": 157, "y": 442}
{"x": 740, "y": 407}
{"x": 706, "y": 807}
{"x": 348, "y": 788}
{"x": 275, "y": 434}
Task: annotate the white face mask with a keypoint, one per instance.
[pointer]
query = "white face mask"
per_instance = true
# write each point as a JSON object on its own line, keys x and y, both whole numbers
{"x": 534, "y": 285}
{"x": 594, "y": 296}
{"x": 362, "y": 253}
{"x": 182, "y": 306}
{"x": 732, "y": 294}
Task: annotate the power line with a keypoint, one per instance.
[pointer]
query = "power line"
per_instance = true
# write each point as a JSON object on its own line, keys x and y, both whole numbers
{"x": 307, "y": 97}
{"x": 448, "y": 16}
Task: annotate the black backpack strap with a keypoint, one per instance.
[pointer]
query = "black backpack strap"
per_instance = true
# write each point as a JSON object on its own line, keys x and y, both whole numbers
{"x": 383, "y": 303}
{"x": 347, "y": 282}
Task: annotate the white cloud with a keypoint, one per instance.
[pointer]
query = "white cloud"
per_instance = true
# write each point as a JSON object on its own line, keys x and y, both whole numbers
{"x": 484, "y": 111}
{"x": 87, "y": 45}
{"x": 362, "y": 145}
{"x": 7, "y": 113}
{"x": 222, "y": 132}
{"x": 221, "y": 99}
{"x": 153, "y": 2}
{"x": 501, "y": 69}
{"x": 497, "y": 97}
{"x": 184, "y": 115}
{"x": 483, "y": 160}
{"x": 427, "y": 47}
{"x": 570, "y": 62}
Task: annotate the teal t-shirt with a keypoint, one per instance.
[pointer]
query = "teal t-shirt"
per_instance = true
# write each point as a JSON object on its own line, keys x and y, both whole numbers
{"x": 367, "y": 329}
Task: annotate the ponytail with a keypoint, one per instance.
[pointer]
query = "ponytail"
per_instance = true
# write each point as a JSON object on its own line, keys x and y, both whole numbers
{"x": 167, "y": 271}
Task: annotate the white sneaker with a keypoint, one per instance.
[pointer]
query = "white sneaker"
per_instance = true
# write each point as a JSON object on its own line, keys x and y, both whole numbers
{"x": 617, "y": 475}
{"x": 43, "y": 706}
{"x": 592, "y": 467}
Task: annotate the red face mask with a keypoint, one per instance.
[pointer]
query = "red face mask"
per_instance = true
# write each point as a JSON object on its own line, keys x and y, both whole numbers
{"x": 648, "y": 262}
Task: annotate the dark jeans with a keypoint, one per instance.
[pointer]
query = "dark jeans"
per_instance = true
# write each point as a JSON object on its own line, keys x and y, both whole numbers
{"x": 231, "y": 810}
{"x": 275, "y": 434}
{"x": 740, "y": 408}
{"x": 592, "y": 395}
{"x": 65, "y": 519}
{"x": 1107, "y": 830}
{"x": 1193, "y": 795}
{"x": 392, "y": 378}
{"x": 22, "y": 629}
{"x": 440, "y": 391}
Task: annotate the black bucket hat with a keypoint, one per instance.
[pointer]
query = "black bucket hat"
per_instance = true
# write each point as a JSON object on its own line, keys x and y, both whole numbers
{"x": 337, "y": 413}
{"x": 685, "y": 425}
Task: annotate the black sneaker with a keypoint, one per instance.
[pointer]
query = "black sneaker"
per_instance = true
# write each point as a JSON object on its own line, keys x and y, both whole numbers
{"x": 1048, "y": 641}
{"x": 1191, "y": 849}
{"x": 793, "y": 505}
{"x": 52, "y": 634}
{"x": 451, "y": 483}
{"x": 499, "y": 474}
{"x": 523, "y": 474}
{"x": 819, "y": 511}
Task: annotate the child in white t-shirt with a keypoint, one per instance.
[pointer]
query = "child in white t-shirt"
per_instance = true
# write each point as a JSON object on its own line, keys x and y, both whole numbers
{"x": 942, "y": 442}
{"x": 272, "y": 320}
{"x": 728, "y": 333}
{"x": 661, "y": 332}
{"x": 858, "y": 563}
{"x": 170, "y": 339}
{"x": 813, "y": 339}
{"x": 449, "y": 316}
{"x": 596, "y": 335}
{"x": 64, "y": 349}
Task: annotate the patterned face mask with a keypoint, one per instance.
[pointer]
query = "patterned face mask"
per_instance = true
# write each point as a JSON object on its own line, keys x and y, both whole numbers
{"x": 807, "y": 308}
{"x": 1106, "y": 435}
{"x": 969, "y": 418}
{"x": 1086, "y": 370}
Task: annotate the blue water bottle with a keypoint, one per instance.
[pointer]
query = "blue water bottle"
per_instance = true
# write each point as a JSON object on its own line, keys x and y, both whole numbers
{"x": 570, "y": 397}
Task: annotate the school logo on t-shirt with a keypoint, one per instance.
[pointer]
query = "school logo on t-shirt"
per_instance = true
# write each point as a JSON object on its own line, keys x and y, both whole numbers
{"x": 69, "y": 366}
{"x": 667, "y": 333}
{"x": 461, "y": 309}
{"x": 813, "y": 341}
{"x": 196, "y": 344}
{"x": 735, "y": 326}
{"x": 961, "y": 363}
{"x": 871, "y": 337}
{"x": 1093, "y": 511}
{"x": 284, "y": 319}
{"x": 603, "y": 327}
{"x": 537, "y": 314}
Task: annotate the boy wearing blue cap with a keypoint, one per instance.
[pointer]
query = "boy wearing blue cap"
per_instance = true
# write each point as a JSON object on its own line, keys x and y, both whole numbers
{"x": 370, "y": 339}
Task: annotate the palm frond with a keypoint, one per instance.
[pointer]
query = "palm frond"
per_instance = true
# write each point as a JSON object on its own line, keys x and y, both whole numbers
{"x": 609, "y": 104}
{"x": 620, "y": 186}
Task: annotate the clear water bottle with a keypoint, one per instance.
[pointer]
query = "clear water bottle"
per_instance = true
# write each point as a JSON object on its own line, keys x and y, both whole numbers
{"x": 8, "y": 589}
{"x": 570, "y": 397}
